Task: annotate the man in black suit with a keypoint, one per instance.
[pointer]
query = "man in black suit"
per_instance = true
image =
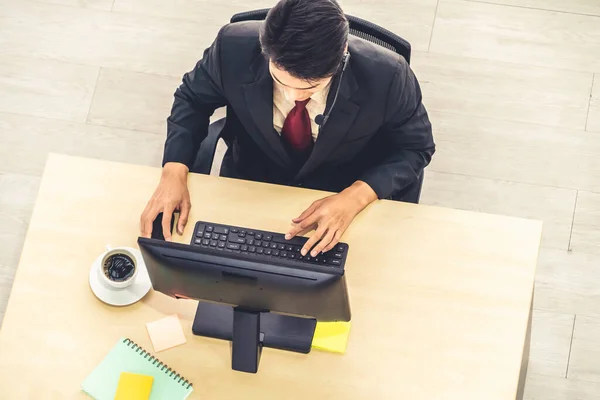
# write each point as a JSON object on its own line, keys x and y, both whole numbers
{"x": 279, "y": 79}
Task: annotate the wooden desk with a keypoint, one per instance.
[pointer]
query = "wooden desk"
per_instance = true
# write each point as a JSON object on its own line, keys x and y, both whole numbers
{"x": 440, "y": 298}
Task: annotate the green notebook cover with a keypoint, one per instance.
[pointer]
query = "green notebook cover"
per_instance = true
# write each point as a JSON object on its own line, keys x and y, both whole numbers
{"x": 127, "y": 356}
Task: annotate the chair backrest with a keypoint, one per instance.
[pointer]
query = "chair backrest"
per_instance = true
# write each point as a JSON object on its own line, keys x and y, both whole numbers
{"x": 358, "y": 27}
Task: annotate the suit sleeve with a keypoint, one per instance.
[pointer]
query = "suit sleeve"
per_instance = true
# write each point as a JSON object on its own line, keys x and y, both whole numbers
{"x": 404, "y": 144}
{"x": 196, "y": 99}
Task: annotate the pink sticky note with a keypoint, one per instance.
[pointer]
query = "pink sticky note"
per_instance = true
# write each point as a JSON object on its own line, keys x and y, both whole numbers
{"x": 166, "y": 333}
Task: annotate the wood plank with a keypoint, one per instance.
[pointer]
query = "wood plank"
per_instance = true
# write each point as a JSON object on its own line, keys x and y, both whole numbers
{"x": 517, "y": 152}
{"x": 504, "y": 91}
{"x": 133, "y": 100}
{"x": 518, "y": 35}
{"x": 98, "y": 38}
{"x": 26, "y": 141}
{"x": 586, "y": 224}
{"x": 593, "y": 122}
{"x": 566, "y": 282}
{"x": 46, "y": 88}
{"x": 590, "y": 7}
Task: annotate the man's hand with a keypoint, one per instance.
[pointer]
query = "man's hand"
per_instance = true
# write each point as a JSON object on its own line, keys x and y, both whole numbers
{"x": 330, "y": 217}
{"x": 171, "y": 194}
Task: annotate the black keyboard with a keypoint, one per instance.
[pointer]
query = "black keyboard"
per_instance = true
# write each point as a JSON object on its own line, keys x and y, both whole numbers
{"x": 269, "y": 247}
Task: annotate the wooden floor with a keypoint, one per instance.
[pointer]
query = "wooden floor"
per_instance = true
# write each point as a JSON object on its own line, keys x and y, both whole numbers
{"x": 512, "y": 87}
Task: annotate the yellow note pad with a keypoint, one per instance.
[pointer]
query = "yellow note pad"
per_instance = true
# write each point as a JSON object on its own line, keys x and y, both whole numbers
{"x": 134, "y": 387}
{"x": 166, "y": 333}
{"x": 331, "y": 336}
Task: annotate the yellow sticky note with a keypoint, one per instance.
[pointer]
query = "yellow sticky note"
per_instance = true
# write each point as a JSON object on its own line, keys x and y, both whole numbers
{"x": 134, "y": 387}
{"x": 166, "y": 333}
{"x": 331, "y": 336}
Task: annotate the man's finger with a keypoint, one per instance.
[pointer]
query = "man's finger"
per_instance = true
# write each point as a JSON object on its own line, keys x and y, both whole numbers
{"x": 306, "y": 213}
{"x": 183, "y": 216}
{"x": 166, "y": 222}
{"x": 312, "y": 241}
{"x": 324, "y": 242}
{"x": 306, "y": 230}
{"x": 304, "y": 225}
{"x": 146, "y": 223}
{"x": 334, "y": 241}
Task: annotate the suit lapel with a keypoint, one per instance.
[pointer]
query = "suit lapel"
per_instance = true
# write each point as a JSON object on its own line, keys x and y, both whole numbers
{"x": 341, "y": 119}
{"x": 259, "y": 98}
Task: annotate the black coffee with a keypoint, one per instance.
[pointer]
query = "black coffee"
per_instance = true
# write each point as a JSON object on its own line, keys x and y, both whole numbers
{"x": 119, "y": 267}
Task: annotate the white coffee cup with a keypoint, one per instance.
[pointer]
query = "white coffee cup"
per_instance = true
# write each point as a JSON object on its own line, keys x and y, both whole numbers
{"x": 118, "y": 267}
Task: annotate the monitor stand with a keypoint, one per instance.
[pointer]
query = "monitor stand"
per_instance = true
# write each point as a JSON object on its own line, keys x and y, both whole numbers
{"x": 250, "y": 330}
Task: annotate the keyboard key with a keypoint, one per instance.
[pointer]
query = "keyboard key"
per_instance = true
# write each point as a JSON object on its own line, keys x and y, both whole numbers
{"x": 275, "y": 252}
{"x": 213, "y": 243}
{"x": 205, "y": 242}
{"x": 335, "y": 261}
{"x": 323, "y": 260}
{"x": 273, "y": 245}
{"x": 250, "y": 241}
{"x": 198, "y": 241}
{"x": 233, "y": 246}
{"x": 251, "y": 233}
{"x": 258, "y": 236}
{"x": 209, "y": 229}
{"x": 221, "y": 244}
{"x": 207, "y": 235}
{"x": 284, "y": 254}
{"x": 297, "y": 249}
{"x": 222, "y": 231}
{"x": 244, "y": 248}
{"x": 239, "y": 240}
{"x": 215, "y": 236}
{"x": 292, "y": 256}
{"x": 243, "y": 235}
{"x": 340, "y": 248}
{"x": 266, "y": 244}
{"x": 281, "y": 246}
{"x": 251, "y": 249}
{"x": 268, "y": 252}
{"x": 235, "y": 230}
{"x": 337, "y": 255}
{"x": 289, "y": 248}
{"x": 223, "y": 237}
{"x": 259, "y": 250}
{"x": 200, "y": 233}
{"x": 269, "y": 237}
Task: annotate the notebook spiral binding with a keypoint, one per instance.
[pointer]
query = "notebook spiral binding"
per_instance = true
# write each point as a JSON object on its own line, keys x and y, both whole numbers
{"x": 156, "y": 362}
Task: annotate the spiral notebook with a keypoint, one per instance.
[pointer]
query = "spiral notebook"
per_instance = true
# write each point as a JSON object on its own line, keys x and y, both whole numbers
{"x": 127, "y": 356}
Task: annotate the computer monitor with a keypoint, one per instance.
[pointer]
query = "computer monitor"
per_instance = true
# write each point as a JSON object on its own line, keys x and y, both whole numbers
{"x": 249, "y": 303}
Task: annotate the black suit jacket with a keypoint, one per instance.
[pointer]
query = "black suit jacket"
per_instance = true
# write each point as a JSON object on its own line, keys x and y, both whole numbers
{"x": 378, "y": 131}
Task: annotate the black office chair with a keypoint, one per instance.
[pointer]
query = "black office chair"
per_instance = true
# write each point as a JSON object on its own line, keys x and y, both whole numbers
{"x": 358, "y": 27}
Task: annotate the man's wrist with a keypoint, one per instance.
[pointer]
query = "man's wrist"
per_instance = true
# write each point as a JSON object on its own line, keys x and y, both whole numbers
{"x": 362, "y": 193}
{"x": 176, "y": 170}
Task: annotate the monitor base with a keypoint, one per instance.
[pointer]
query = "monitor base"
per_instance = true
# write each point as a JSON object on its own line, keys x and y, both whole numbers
{"x": 250, "y": 330}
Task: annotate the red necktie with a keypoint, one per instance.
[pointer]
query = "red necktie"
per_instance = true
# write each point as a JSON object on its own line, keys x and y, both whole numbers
{"x": 296, "y": 128}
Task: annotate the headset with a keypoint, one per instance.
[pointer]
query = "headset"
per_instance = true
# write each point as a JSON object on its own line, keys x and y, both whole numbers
{"x": 321, "y": 119}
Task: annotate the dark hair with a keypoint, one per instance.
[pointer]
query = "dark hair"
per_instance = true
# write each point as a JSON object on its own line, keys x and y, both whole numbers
{"x": 306, "y": 38}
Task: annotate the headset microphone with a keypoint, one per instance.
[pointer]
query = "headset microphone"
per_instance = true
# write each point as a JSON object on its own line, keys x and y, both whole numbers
{"x": 321, "y": 119}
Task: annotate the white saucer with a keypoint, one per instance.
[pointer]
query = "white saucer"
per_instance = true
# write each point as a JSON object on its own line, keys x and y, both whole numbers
{"x": 121, "y": 297}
